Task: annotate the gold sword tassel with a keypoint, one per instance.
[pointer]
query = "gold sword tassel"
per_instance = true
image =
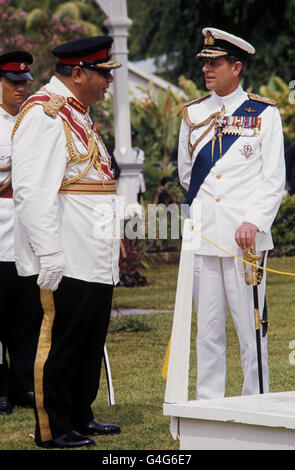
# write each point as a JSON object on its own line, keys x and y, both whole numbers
{"x": 217, "y": 127}
{"x": 222, "y": 112}
{"x": 220, "y": 142}
{"x": 213, "y": 146}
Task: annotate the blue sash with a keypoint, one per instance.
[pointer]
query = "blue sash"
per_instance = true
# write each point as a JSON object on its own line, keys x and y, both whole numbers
{"x": 203, "y": 162}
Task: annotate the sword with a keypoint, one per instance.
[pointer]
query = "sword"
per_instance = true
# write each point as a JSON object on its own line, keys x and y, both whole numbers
{"x": 251, "y": 256}
{"x": 111, "y": 396}
{"x": 264, "y": 321}
{"x": 257, "y": 327}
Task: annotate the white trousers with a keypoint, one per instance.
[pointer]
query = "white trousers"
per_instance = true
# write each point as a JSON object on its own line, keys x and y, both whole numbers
{"x": 219, "y": 285}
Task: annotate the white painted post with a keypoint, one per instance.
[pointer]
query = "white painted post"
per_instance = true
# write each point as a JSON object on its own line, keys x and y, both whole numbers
{"x": 118, "y": 23}
{"x": 178, "y": 366}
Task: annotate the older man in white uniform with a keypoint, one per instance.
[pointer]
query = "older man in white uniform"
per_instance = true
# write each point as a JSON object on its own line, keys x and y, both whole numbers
{"x": 66, "y": 206}
{"x": 231, "y": 162}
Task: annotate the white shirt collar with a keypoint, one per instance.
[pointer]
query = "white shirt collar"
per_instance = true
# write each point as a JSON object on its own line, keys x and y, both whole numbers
{"x": 59, "y": 87}
{"x": 56, "y": 86}
{"x": 7, "y": 115}
{"x": 227, "y": 100}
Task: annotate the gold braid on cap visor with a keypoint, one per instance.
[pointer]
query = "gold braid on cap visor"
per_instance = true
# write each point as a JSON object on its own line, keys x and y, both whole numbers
{"x": 211, "y": 53}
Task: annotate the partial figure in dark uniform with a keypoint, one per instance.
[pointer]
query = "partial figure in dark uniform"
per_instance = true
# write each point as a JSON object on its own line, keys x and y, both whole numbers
{"x": 290, "y": 168}
{"x": 19, "y": 322}
{"x": 66, "y": 207}
{"x": 163, "y": 195}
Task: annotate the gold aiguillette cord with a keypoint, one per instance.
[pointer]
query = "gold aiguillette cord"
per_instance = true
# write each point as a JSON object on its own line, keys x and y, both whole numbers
{"x": 217, "y": 127}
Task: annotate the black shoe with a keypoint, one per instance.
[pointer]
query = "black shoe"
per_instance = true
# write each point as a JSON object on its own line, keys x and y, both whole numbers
{"x": 70, "y": 439}
{"x": 94, "y": 428}
{"x": 5, "y": 405}
{"x": 24, "y": 399}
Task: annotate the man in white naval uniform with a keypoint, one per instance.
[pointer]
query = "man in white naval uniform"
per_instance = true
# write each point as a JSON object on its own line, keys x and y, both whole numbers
{"x": 139, "y": 157}
{"x": 66, "y": 207}
{"x": 19, "y": 323}
{"x": 231, "y": 163}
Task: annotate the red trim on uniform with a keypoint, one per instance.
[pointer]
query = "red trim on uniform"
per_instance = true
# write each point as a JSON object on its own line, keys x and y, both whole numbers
{"x": 106, "y": 170}
{"x": 81, "y": 133}
{"x": 77, "y": 105}
{"x": 8, "y": 193}
{"x": 35, "y": 98}
{"x": 15, "y": 67}
{"x": 66, "y": 114}
{"x": 99, "y": 55}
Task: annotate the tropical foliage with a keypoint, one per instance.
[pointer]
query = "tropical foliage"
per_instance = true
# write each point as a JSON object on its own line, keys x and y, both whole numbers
{"x": 79, "y": 11}
{"x": 159, "y": 114}
{"x": 175, "y": 32}
{"x": 38, "y": 27}
{"x": 283, "y": 94}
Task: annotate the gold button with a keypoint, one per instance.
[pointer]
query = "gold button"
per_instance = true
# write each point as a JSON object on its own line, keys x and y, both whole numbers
{"x": 217, "y": 199}
{"x": 218, "y": 176}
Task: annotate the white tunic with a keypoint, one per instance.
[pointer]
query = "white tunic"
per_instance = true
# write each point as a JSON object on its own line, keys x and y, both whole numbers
{"x": 80, "y": 226}
{"x": 238, "y": 188}
{"x": 6, "y": 204}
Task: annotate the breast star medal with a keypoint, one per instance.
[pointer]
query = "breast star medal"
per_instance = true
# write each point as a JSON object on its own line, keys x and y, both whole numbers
{"x": 246, "y": 150}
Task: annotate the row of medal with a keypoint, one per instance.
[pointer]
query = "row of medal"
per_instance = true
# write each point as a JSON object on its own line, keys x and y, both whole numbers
{"x": 240, "y": 125}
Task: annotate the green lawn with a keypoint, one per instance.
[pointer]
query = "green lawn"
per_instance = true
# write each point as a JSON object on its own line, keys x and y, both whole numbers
{"x": 136, "y": 347}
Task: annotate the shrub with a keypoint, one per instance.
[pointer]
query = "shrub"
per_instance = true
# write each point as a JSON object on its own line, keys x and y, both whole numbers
{"x": 283, "y": 229}
{"x": 280, "y": 91}
{"x": 129, "y": 323}
{"x": 131, "y": 265}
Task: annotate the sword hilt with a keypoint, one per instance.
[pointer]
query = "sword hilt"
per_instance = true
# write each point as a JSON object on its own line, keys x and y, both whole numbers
{"x": 251, "y": 257}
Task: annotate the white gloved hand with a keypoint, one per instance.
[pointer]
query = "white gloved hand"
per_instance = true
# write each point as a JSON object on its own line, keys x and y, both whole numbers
{"x": 51, "y": 271}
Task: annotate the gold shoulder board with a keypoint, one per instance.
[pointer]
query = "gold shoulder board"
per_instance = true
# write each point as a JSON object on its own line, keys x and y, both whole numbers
{"x": 53, "y": 106}
{"x": 262, "y": 99}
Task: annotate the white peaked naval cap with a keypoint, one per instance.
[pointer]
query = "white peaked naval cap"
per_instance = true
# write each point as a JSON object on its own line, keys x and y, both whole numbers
{"x": 218, "y": 43}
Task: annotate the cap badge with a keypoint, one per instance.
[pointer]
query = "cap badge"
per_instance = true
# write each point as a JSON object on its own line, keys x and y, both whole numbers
{"x": 22, "y": 66}
{"x": 209, "y": 39}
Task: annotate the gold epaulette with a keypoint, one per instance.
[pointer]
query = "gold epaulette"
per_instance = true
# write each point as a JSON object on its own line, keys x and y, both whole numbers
{"x": 54, "y": 105}
{"x": 262, "y": 99}
{"x": 51, "y": 106}
{"x": 186, "y": 105}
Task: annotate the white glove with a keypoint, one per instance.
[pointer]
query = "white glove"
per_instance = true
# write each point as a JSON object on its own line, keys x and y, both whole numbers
{"x": 51, "y": 271}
